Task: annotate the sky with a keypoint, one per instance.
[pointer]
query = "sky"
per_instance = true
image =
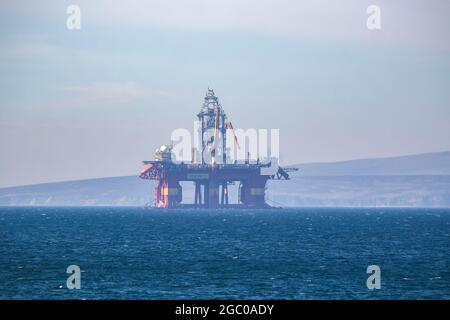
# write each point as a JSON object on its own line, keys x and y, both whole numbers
{"x": 95, "y": 102}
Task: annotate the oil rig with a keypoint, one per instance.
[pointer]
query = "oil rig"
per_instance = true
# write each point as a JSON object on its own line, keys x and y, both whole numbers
{"x": 211, "y": 178}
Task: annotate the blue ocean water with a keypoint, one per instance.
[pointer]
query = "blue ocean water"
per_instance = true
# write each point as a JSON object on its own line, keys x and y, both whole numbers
{"x": 306, "y": 253}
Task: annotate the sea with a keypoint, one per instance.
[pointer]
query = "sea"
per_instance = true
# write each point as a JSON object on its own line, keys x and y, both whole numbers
{"x": 298, "y": 253}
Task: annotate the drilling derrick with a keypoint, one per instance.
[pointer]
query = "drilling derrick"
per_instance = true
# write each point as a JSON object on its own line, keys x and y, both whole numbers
{"x": 213, "y": 129}
{"x": 211, "y": 174}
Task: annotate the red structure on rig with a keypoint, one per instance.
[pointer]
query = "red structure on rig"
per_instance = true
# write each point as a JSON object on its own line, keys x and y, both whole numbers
{"x": 211, "y": 180}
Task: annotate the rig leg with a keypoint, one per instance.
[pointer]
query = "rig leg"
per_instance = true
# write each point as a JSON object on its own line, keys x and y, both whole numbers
{"x": 226, "y": 193}
{"x": 197, "y": 193}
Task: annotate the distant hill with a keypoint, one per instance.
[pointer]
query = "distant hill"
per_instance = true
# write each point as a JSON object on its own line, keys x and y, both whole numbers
{"x": 413, "y": 181}
{"x": 437, "y": 163}
{"x": 362, "y": 191}
{"x": 128, "y": 190}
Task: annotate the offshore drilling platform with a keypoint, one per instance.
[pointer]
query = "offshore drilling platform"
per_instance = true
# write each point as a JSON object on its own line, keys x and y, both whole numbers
{"x": 211, "y": 179}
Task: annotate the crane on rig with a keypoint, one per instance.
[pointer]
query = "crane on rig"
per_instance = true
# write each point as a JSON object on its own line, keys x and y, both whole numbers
{"x": 283, "y": 173}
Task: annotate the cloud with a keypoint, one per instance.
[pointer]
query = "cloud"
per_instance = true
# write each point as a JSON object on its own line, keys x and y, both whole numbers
{"x": 40, "y": 49}
{"x": 106, "y": 92}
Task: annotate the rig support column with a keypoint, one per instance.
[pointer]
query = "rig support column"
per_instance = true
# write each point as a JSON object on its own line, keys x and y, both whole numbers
{"x": 169, "y": 193}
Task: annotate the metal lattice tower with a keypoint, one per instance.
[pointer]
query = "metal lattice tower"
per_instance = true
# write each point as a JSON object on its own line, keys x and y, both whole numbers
{"x": 213, "y": 127}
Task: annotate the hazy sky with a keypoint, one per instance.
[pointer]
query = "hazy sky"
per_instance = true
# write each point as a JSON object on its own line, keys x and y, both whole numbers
{"x": 95, "y": 102}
